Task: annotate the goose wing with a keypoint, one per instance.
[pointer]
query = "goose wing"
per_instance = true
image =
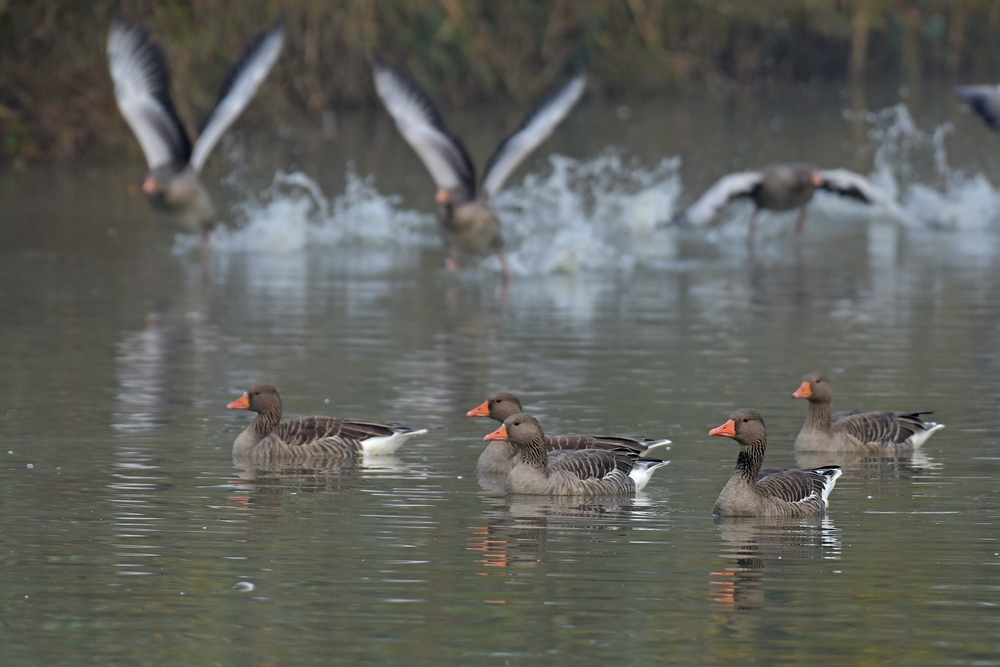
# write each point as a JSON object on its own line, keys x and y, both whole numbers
{"x": 882, "y": 428}
{"x": 560, "y": 442}
{"x": 306, "y": 430}
{"x": 239, "y": 88}
{"x": 703, "y": 211}
{"x": 534, "y": 129}
{"x": 142, "y": 90}
{"x": 985, "y": 101}
{"x": 421, "y": 125}
{"x": 587, "y": 463}
{"x": 791, "y": 485}
{"x": 856, "y": 186}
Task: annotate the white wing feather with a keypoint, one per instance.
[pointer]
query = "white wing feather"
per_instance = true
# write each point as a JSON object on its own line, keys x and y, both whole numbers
{"x": 535, "y": 129}
{"x": 848, "y": 183}
{"x": 727, "y": 188}
{"x": 241, "y": 84}
{"x": 142, "y": 90}
{"x": 421, "y": 125}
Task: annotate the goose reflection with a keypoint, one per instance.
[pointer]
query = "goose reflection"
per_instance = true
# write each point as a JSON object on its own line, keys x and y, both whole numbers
{"x": 756, "y": 546}
{"x": 515, "y": 530}
{"x": 872, "y": 466}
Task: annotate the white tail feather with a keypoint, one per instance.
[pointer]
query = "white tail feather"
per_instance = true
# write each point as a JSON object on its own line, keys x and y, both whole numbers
{"x": 920, "y": 438}
{"x": 831, "y": 481}
{"x": 387, "y": 444}
{"x": 643, "y": 470}
{"x": 657, "y": 444}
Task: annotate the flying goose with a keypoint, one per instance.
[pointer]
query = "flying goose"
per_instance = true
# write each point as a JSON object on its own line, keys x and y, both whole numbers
{"x": 866, "y": 432}
{"x": 772, "y": 491}
{"x": 303, "y": 439}
{"x": 467, "y": 223}
{"x": 985, "y": 101}
{"x": 500, "y": 456}
{"x": 782, "y": 187}
{"x": 142, "y": 89}
{"x": 572, "y": 472}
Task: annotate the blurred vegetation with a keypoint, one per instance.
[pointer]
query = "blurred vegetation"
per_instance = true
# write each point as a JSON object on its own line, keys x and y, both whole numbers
{"x": 56, "y": 98}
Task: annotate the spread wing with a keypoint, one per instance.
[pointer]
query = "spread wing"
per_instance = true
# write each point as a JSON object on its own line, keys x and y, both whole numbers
{"x": 142, "y": 90}
{"x": 856, "y": 186}
{"x": 985, "y": 101}
{"x": 421, "y": 125}
{"x": 587, "y": 463}
{"x": 239, "y": 88}
{"x": 307, "y": 430}
{"x": 535, "y": 128}
{"x": 882, "y": 428}
{"x": 725, "y": 190}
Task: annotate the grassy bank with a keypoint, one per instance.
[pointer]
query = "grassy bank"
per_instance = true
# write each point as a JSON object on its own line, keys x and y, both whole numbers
{"x": 56, "y": 98}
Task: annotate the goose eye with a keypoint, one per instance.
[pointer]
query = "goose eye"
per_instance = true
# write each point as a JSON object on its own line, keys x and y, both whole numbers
{"x": 745, "y": 420}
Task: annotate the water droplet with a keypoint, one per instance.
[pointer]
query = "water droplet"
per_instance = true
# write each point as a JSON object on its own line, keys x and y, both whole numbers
{"x": 244, "y": 586}
{"x": 31, "y": 465}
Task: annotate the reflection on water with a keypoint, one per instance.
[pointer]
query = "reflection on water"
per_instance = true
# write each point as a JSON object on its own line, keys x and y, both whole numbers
{"x": 763, "y": 549}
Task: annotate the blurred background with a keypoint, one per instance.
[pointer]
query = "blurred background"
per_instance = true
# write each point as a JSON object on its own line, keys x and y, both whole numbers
{"x": 56, "y": 97}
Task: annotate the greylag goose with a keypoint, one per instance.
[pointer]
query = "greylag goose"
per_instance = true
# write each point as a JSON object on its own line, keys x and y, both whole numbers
{"x": 783, "y": 187}
{"x": 772, "y": 491}
{"x": 467, "y": 223}
{"x": 142, "y": 89}
{"x": 570, "y": 472}
{"x": 985, "y": 101}
{"x": 309, "y": 438}
{"x": 499, "y": 456}
{"x": 889, "y": 433}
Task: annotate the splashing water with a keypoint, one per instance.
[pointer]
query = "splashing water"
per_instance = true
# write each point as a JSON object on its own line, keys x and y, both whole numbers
{"x": 294, "y": 214}
{"x": 597, "y": 214}
{"x": 913, "y": 165}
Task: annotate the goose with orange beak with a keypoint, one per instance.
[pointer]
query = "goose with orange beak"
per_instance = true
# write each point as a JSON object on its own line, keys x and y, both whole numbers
{"x": 579, "y": 472}
{"x": 305, "y": 439}
{"x": 784, "y": 187}
{"x": 870, "y": 433}
{"x": 500, "y": 456}
{"x": 773, "y": 491}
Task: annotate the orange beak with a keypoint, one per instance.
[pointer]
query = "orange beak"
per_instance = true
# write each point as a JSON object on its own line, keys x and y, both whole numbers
{"x": 241, "y": 403}
{"x": 727, "y": 430}
{"x": 804, "y": 391}
{"x": 817, "y": 179}
{"x": 480, "y": 411}
{"x": 149, "y": 185}
{"x": 442, "y": 196}
{"x": 499, "y": 434}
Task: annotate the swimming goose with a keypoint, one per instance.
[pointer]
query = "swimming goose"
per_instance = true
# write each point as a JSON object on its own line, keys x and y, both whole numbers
{"x": 142, "y": 89}
{"x": 573, "y": 472}
{"x": 865, "y": 432}
{"x": 500, "y": 456}
{"x": 467, "y": 223}
{"x": 782, "y": 187}
{"x": 985, "y": 101}
{"x": 308, "y": 438}
{"x": 773, "y": 491}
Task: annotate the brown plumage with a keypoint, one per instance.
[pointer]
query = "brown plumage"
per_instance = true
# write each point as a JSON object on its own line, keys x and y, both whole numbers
{"x": 774, "y": 491}
{"x": 301, "y": 439}
{"x": 888, "y": 433}
{"x": 583, "y": 472}
{"x": 499, "y": 456}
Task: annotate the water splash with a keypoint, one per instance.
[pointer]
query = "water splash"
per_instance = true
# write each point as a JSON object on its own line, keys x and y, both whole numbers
{"x": 913, "y": 165}
{"x": 597, "y": 214}
{"x": 293, "y": 214}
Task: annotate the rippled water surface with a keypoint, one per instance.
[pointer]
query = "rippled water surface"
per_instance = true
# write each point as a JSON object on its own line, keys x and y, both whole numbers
{"x": 128, "y": 536}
